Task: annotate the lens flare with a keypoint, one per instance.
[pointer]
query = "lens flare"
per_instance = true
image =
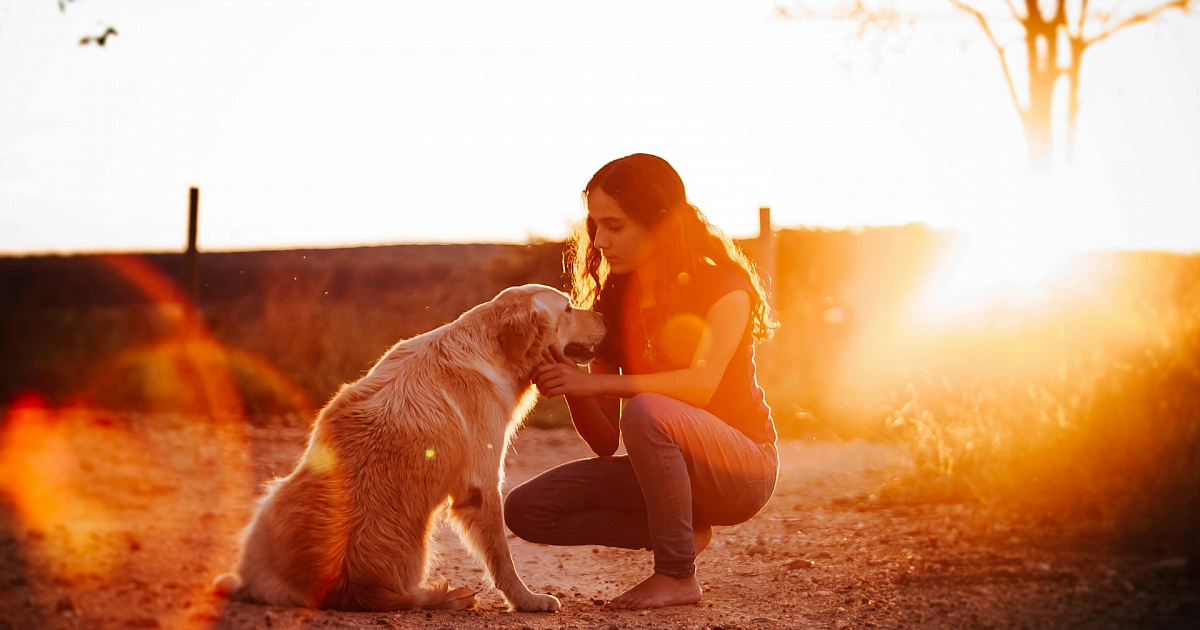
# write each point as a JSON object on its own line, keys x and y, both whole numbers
{"x": 99, "y": 493}
{"x": 39, "y": 471}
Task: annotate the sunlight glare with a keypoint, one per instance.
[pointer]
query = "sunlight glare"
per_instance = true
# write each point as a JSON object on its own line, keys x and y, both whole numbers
{"x": 39, "y": 472}
{"x": 989, "y": 269}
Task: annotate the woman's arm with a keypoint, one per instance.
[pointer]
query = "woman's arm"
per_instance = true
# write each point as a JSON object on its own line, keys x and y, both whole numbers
{"x": 724, "y": 327}
{"x": 596, "y": 418}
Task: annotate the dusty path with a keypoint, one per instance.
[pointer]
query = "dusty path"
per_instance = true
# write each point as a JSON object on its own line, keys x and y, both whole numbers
{"x": 136, "y": 514}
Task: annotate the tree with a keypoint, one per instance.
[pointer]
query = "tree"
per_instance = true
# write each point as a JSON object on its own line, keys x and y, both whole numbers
{"x": 1054, "y": 35}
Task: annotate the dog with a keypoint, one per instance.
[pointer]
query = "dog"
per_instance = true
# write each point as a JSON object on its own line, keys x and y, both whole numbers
{"x": 423, "y": 435}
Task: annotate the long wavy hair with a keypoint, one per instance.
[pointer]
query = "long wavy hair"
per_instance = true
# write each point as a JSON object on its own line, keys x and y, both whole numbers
{"x": 650, "y": 192}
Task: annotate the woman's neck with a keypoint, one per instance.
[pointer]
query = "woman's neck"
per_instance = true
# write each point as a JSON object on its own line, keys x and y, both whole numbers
{"x": 643, "y": 286}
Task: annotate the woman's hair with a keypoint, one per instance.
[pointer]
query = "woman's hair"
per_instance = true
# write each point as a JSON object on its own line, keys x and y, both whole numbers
{"x": 650, "y": 192}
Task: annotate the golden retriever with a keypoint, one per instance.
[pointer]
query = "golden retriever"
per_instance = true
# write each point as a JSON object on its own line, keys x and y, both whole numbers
{"x": 425, "y": 430}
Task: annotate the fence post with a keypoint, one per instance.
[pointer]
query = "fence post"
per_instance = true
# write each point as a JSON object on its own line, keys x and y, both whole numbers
{"x": 765, "y": 251}
{"x": 765, "y": 259}
{"x": 189, "y": 256}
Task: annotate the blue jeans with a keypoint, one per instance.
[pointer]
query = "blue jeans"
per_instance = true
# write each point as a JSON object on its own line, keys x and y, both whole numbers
{"x": 685, "y": 468}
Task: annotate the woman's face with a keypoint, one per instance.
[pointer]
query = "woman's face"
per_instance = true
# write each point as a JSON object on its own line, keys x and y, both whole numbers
{"x": 625, "y": 243}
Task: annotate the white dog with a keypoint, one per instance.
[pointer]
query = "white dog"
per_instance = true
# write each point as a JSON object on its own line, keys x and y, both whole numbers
{"x": 426, "y": 429}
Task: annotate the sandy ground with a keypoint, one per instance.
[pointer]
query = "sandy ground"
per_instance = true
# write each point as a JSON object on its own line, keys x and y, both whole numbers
{"x": 123, "y": 521}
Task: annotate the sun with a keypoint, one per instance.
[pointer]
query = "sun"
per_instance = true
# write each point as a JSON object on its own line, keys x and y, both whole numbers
{"x": 985, "y": 269}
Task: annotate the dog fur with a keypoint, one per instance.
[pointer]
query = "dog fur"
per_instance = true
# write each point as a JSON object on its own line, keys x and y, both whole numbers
{"x": 422, "y": 435}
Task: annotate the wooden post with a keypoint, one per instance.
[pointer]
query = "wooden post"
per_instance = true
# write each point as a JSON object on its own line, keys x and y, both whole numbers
{"x": 765, "y": 251}
{"x": 765, "y": 259}
{"x": 189, "y": 256}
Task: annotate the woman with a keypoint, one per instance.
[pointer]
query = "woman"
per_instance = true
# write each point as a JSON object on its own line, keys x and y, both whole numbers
{"x": 684, "y": 310}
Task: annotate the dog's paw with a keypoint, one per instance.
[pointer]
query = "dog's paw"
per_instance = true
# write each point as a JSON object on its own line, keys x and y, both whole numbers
{"x": 537, "y": 603}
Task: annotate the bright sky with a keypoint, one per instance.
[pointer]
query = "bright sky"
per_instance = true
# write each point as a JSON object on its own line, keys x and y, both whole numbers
{"x": 367, "y": 122}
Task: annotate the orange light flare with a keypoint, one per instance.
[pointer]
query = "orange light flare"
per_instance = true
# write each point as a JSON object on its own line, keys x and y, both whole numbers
{"x": 986, "y": 272}
{"x": 102, "y": 496}
{"x": 997, "y": 300}
{"x": 39, "y": 469}
{"x": 991, "y": 310}
{"x": 994, "y": 294}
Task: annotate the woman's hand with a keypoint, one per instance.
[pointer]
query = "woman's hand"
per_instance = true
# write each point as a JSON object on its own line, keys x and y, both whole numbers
{"x": 560, "y": 375}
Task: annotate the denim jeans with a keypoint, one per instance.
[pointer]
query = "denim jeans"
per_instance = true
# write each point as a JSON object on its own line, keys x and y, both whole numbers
{"x": 685, "y": 468}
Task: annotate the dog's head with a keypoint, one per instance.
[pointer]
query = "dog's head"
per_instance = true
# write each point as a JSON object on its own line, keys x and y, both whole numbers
{"x": 534, "y": 317}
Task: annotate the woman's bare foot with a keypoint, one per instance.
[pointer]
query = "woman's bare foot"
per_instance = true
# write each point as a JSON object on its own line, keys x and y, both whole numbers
{"x": 657, "y": 591}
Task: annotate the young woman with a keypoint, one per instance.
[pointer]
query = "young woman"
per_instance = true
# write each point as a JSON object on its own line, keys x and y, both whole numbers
{"x": 684, "y": 310}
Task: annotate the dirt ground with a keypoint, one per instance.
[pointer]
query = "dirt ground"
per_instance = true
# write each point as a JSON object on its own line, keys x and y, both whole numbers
{"x": 122, "y": 522}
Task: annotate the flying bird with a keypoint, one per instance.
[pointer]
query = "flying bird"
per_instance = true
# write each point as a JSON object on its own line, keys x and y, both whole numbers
{"x": 101, "y": 39}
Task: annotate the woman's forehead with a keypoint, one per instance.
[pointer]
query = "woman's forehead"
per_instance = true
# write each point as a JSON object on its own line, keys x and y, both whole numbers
{"x": 600, "y": 206}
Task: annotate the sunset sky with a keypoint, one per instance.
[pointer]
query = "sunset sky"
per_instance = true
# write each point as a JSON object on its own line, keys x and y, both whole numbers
{"x": 369, "y": 122}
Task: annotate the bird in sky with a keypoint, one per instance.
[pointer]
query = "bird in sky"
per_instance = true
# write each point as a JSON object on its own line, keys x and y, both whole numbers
{"x": 99, "y": 39}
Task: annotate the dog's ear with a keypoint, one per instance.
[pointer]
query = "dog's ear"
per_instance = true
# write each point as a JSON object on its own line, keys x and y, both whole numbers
{"x": 523, "y": 331}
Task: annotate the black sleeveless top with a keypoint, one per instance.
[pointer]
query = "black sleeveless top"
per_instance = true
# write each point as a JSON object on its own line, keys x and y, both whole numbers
{"x": 645, "y": 341}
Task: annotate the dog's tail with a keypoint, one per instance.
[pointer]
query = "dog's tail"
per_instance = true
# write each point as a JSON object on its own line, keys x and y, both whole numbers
{"x": 460, "y": 598}
{"x": 227, "y": 585}
{"x": 434, "y": 596}
{"x": 370, "y": 598}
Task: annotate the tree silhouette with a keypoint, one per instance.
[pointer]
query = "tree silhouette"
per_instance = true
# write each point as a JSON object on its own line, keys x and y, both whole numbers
{"x": 1055, "y": 34}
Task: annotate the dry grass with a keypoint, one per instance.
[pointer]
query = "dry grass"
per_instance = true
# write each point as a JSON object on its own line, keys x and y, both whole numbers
{"x": 1085, "y": 406}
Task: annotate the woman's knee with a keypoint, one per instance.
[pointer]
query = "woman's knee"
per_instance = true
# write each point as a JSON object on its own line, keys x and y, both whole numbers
{"x": 644, "y": 415}
{"x": 524, "y": 512}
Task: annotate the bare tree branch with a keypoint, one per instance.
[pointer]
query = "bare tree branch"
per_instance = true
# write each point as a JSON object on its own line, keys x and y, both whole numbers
{"x": 1138, "y": 18}
{"x": 1060, "y": 13}
{"x": 1033, "y": 12}
{"x": 1012, "y": 9}
{"x": 987, "y": 30}
{"x": 1048, "y": 25}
